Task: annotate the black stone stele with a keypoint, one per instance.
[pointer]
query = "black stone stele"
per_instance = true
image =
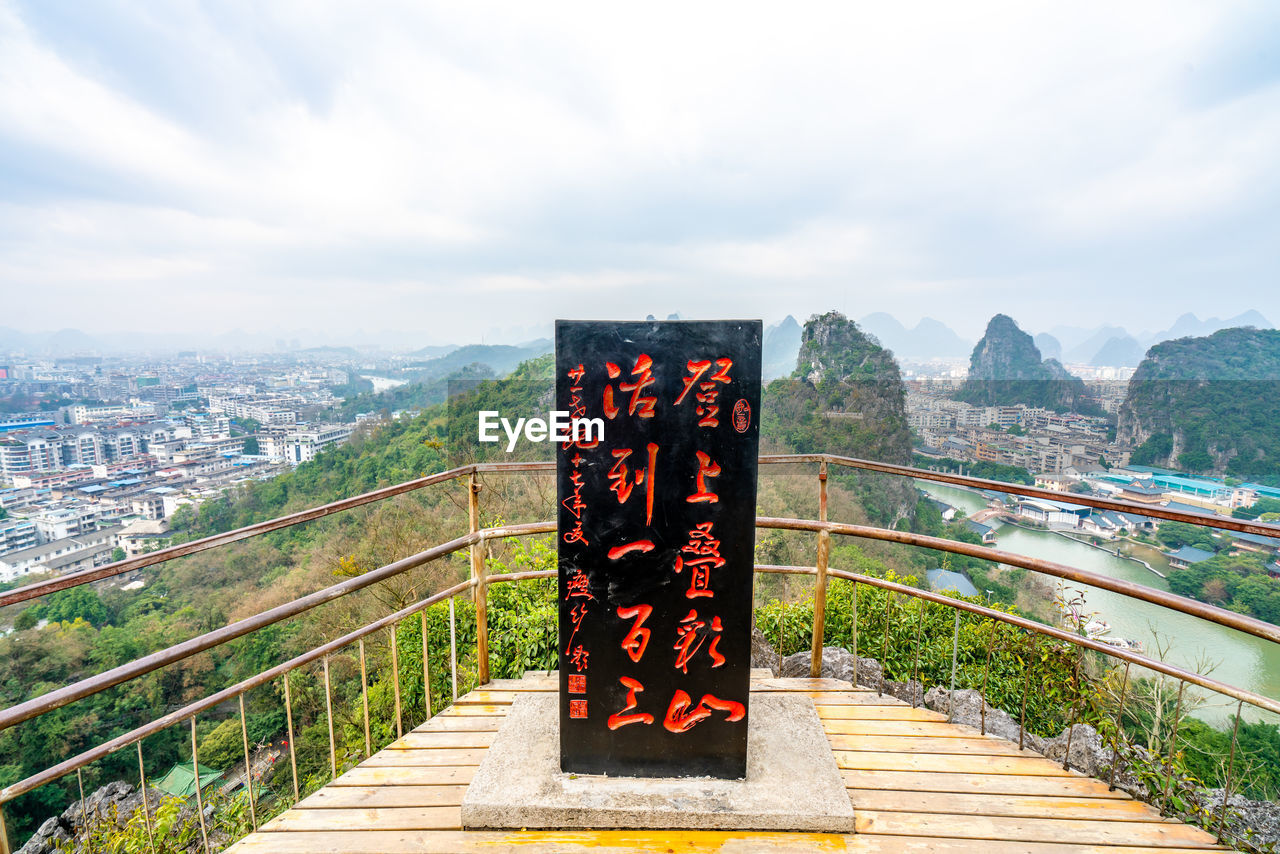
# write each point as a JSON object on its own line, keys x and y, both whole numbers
{"x": 656, "y": 541}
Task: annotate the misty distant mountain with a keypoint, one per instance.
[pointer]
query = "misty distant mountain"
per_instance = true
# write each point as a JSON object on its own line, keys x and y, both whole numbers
{"x": 1123, "y": 351}
{"x": 781, "y": 347}
{"x": 930, "y": 339}
{"x": 1049, "y": 347}
{"x": 434, "y": 352}
{"x": 1190, "y": 326}
{"x": 502, "y": 359}
{"x": 1083, "y": 352}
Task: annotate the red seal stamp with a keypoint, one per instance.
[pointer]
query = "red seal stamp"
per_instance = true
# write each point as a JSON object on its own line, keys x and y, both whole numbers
{"x": 741, "y": 415}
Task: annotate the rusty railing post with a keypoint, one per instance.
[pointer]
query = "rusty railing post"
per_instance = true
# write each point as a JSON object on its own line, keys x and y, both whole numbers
{"x": 986, "y": 671}
{"x": 855, "y": 634}
{"x": 248, "y": 766}
{"x": 293, "y": 753}
{"x": 146, "y": 806}
{"x": 453, "y": 650}
{"x": 820, "y": 585}
{"x": 955, "y": 646}
{"x": 1173, "y": 748}
{"x": 84, "y": 809}
{"x": 915, "y": 659}
{"x": 480, "y": 592}
{"x": 1115, "y": 752}
{"x": 364, "y": 697}
{"x": 195, "y": 770}
{"x": 395, "y": 680}
{"x": 884, "y": 651}
{"x": 820, "y": 604}
{"x": 1231, "y": 765}
{"x": 328, "y": 713}
{"x": 426, "y": 667}
{"x": 4, "y": 834}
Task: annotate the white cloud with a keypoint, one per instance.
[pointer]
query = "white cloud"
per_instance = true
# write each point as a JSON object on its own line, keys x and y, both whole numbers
{"x": 596, "y": 157}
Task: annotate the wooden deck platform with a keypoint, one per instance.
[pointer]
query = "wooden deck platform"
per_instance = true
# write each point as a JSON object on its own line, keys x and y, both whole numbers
{"x": 916, "y": 782}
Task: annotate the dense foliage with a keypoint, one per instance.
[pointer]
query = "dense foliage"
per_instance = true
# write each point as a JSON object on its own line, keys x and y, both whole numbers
{"x": 1239, "y": 582}
{"x": 846, "y": 397}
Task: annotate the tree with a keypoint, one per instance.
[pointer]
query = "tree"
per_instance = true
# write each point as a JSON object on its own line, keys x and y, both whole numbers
{"x": 117, "y": 554}
{"x": 251, "y": 446}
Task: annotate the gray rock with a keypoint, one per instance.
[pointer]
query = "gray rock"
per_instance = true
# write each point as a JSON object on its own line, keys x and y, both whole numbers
{"x": 969, "y": 709}
{"x": 837, "y": 663}
{"x": 1256, "y": 821}
{"x": 762, "y": 652}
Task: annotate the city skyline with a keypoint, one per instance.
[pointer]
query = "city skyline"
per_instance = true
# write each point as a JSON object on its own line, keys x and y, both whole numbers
{"x": 450, "y": 173}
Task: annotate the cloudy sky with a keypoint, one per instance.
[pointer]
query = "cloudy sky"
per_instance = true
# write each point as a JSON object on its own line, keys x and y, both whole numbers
{"x": 474, "y": 166}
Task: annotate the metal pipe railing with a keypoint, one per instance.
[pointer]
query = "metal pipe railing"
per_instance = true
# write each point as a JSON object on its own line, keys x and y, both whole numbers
{"x": 479, "y": 580}
{"x": 73, "y": 579}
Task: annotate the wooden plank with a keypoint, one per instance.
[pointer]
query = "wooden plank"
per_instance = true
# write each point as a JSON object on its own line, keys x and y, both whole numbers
{"x": 801, "y": 684}
{"x": 331, "y": 797}
{"x": 424, "y": 758}
{"x": 484, "y": 697}
{"x": 1034, "y": 830}
{"x": 1074, "y": 785}
{"x": 874, "y": 844}
{"x": 852, "y": 698}
{"x": 928, "y": 744}
{"x": 1095, "y": 809}
{"x": 539, "y": 842}
{"x": 899, "y": 727}
{"x": 948, "y": 763}
{"x": 433, "y": 740}
{"x": 473, "y": 710}
{"x": 898, "y": 712}
{"x": 435, "y": 775}
{"x": 461, "y": 723}
{"x": 538, "y": 684}
{"x": 378, "y": 818}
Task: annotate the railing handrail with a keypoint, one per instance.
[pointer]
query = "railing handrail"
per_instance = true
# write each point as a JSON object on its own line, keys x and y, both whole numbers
{"x": 110, "y": 570}
{"x": 1172, "y": 601}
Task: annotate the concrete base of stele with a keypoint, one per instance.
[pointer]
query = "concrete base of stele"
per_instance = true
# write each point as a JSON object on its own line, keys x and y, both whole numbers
{"x": 792, "y": 781}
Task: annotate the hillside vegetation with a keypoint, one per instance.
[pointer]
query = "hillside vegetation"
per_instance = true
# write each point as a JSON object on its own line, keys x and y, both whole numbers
{"x": 1208, "y": 405}
{"x": 1005, "y": 368}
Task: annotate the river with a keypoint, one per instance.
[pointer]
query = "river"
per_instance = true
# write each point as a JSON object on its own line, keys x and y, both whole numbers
{"x": 1225, "y": 654}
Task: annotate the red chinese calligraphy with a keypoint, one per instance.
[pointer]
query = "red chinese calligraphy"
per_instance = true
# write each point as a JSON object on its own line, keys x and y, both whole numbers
{"x": 578, "y": 709}
{"x": 703, "y": 551}
{"x": 638, "y": 546}
{"x": 575, "y": 505}
{"x": 577, "y": 683}
{"x": 639, "y": 404}
{"x": 708, "y": 393}
{"x": 706, "y": 468}
{"x": 621, "y": 719}
{"x": 578, "y": 406}
{"x": 577, "y": 614}
{"x": 690, "y": 638}
{"x": 579, "y": 658}
{"x": 578, "y": 586}
{"x": 638, "y": 638}
{"x": 682, "y": 716}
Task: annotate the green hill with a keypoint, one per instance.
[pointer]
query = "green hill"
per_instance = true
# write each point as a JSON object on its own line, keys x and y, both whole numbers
{"x": 1005, "y": 369}
{"x": 1208, "y": 405}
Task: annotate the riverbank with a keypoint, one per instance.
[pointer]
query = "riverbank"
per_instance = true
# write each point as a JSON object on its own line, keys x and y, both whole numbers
{"x": 1116, "y": 553}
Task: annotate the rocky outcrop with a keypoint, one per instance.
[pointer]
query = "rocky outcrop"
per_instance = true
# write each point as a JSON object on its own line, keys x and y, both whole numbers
{"x": 846, "y": 397}
{"x": 1005, "y": 368}
{"x": 1196, "y": 404}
